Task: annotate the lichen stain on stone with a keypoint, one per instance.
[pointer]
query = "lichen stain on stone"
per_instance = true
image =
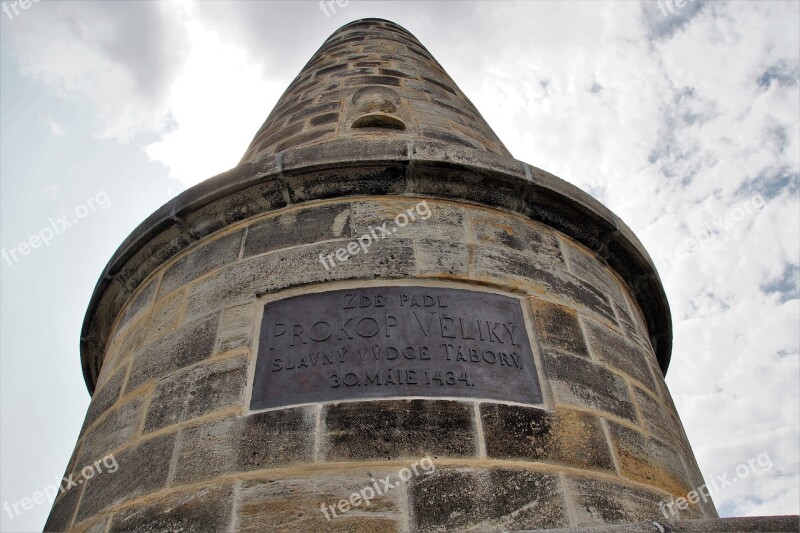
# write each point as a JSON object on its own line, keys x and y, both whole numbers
{"x": 340, "y": 221}
{"x": 649, "y": 474}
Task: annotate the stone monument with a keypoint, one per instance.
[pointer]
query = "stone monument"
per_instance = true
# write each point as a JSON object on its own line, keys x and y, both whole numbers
{"x": 379, "y": 320}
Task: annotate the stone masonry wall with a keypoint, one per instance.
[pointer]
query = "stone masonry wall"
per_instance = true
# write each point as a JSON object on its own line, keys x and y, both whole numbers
{"x": 606, "y": 445}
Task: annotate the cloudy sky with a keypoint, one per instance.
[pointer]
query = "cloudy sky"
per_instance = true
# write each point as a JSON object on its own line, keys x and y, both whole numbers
{"x": 685, "y": 121}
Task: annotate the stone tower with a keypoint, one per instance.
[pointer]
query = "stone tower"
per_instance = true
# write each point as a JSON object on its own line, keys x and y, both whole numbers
{"x": 378, "y": 320}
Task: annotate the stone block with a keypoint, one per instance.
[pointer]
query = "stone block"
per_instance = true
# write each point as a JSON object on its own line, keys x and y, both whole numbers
{"x": 164, "y": 317}
{"x": 442, "y": 259}
{"x": 365, "y": 180}
{"x": 338, "y": 153}
{"x": 98, "y": 524}
{"x": 63, "y": 509}
{"x": 591, "y": 268}
{"x": 567, "y": 437}
{"x": 486, "y": 500}
{"x": 648, "y": 461}
{"x": 139, "y": 304}
{"x": 141, "y": 469}
{"x": 268, "y": 504}
{"x": 627, "y": 324}
{"x": 444, "y": 221}
{"x": 659, "y": 422}
{"x": 271, "y": 439}
{"x": 154, "y": 252}
{"x": 300, "y": 226}
{"x": 497, "y": 228}
{"x": 106, "y": 396}
{"x": 613, "y": 349}
{"x": 236, "y": 327}
{"x": 185, "y": 346}
{"x": 635, "y": 316}
{"x": 117, "y": 427}
{"x": 546, "y": 277}
{"x": 577, "y": 381}
{"x": 126, "y": 344}
{"x": 207, "y": 509}
{"x": 598, "y": 502}
{"x": 392, "y": 429}
{"x": 471, "y": 184}
{"x": 240, "y": 283}
{"x": 201, "y": 260}
{"x": 196, "y": 391}
{"x": 558, "y": 328}
{"x": 235, "y": 206}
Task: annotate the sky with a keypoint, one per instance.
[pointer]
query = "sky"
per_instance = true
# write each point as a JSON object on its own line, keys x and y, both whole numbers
{"x": 683, "y": 120}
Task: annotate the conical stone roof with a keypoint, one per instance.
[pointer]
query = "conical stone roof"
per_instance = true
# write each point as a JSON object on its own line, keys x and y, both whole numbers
{"x": 372, "y": 78}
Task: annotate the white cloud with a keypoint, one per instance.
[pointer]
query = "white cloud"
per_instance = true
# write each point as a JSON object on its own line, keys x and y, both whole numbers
{"x": 118, "y": 57}
{"x": 55, "y": 127}
{"x": 216, "y": 104}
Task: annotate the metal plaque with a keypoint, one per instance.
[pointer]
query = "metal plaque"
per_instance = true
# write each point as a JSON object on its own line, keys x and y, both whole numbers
{"x": 393, "y": 341}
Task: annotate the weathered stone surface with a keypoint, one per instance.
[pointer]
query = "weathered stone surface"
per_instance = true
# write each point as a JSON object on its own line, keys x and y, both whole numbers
{"x": 236, "y": 327}
{"x": 140, "y": 302}
{"x": 296, "y": 504}
{"x": 235, "y": 206}
{"x": 755, "y": 524}
{"x": 658, "y": 421}
{"x": 141, "y": 469}
{"x": 63, "y": 509}
{"x": 361, "y": 181}
{"x": 542, "y": 272}
{"x": 396, "y": 429}
{"x": 196, "y": 391}
{"x": 417, "y": 218}
{"x": 201, "y": 260}
{"x": 239, "y": 283}
{"x": 658, "y": 318}
{"x": 439, "y": 180}
{"x": 648, "y": 461}
{"x": 591, "y": 268}
{"x": 93, "y": 525}
{"x": 129, "y": 342}
{"x": 627, "y": 324}
{"x": 497, "y": 228}
{"x": 579, "y": 382}
{"x": 639, "y": 326}
{"x": 204, "y": 510}
{"x": 558, "y": 328}
{"x": 459, "y": 157}
{"x": 604, "y": 502}
{"x": 300, "y": 226}
{"x": 105, "y": 396}
{"x": 568, "y": 437}
{"x": 486, "y": 500}
{"x": 164, "y": 317}
{"x": 161, "y": 247}
{"x": 619, "y": 353}
{"x": 116, "y": 428}
{"x": 237, "y": 444}
{"x": 187, "y": 345}
{"x": 337, "y": 152}
{"x": 442, "y": 259}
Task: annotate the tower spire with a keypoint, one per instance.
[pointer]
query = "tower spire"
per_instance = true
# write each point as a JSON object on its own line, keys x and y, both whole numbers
{"x": 372, "y": 78}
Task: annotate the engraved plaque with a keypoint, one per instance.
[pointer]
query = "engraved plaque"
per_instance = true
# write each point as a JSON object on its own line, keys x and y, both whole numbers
{"x": 379, "y": 342}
